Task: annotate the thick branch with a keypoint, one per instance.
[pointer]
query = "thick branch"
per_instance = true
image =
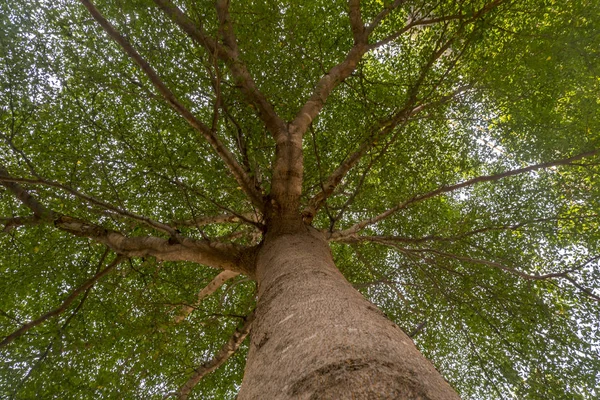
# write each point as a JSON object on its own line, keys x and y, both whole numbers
{"x": 248, "y": 218}
{"x": 65, "y": 304}
{"x": 235, "y": 168}
{"x": 335, "y": 75}
{"x": 209, "y": 289}
{"x": 356, "y": 22}
{"x": 39, "y": 210}
{"x": 447, "y": 189}
{"x": 343, "y": 70}
{"x": 219, "y": 359}
{"x": 177, "y": 248}
{"x": 230, "y": 55}
{"x": 385, "y": 127}
{"x": 14, "y": 222}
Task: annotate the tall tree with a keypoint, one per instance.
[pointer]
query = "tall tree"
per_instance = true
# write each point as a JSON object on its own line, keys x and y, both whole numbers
{"x": 357, "y": 186}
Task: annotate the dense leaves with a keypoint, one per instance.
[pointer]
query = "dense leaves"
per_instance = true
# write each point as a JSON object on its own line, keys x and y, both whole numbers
{"x": 498, "y": 281}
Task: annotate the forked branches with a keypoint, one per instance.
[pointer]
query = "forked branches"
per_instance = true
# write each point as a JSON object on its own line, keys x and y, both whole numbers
{"x": 245, "y": 182}
{"x": 229, "y": 53}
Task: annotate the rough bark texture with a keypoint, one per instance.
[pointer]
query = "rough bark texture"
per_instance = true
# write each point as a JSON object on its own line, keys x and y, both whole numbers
{"x": 316, "y": 337}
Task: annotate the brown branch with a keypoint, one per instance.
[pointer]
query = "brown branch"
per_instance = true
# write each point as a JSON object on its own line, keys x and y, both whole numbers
{"x": 248, "y": 218}
{"x": 332, "y": 182}
{"x": 42, "y": 356}
{"x": 417, "y": 330}
{"x": 434, "y": 238}
{"x": 358, "y": 187}
{"x": 66, "y": 303}
{"x": 411, "y": 25}
{"x": 563, "y": 274}
{"x": 228, "y": 349}
{"x": 229, "y": 53}
{"x": 14, "y": 222}
{"x": 588, "y": 292}
{"x": 494, "y": 264}
{"x": 209, "y": 289}
{"x": 92, "y": 200}
{"x": 176, "y": 248}
{"x": 383, "y": 14}
{"x": 335, "y": 75}
{"x": 447, "y": 189}
{"x": 430, "y": 21}
{"x": 247, "y": 184}
{"x": 39, "y": 210}
{"x": 356, "y": 22}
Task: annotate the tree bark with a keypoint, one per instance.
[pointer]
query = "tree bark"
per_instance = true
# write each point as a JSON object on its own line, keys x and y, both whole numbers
{"x": 316, "y": 337}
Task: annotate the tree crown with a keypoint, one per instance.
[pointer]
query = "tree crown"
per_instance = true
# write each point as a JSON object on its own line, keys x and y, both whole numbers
{"x": 448, "y": 151}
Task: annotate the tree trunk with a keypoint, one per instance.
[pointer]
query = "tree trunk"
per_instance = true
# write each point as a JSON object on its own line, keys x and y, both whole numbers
{"x": 316, "y": 337}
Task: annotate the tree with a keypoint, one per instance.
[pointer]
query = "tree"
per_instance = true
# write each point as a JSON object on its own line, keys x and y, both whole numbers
{"x": 167, "y": 166}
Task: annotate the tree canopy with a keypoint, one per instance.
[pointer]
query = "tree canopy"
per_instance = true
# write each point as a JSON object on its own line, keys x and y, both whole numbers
{"x": 450, "y": 154}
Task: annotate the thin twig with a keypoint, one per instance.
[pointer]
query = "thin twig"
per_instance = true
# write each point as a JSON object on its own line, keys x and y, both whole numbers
{"x": 447, "y": 189}
{"x": 65, "y": 304}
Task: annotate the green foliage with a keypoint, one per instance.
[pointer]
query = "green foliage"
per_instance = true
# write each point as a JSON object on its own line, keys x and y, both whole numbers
{"x": 75, "y": 110}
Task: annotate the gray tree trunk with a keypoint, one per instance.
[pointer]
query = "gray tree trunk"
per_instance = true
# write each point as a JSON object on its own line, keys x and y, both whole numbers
{"x": 316, "y": 337}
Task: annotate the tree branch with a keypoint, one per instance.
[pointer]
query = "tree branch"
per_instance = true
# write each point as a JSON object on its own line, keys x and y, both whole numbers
{"x": 219, "y": 359}
{"x": 66, "y": 303}
{"x": 177, "y": 248}
{"x": 247, "y": 218}
{"x": 493, "y": 264}
{"x": 430, "y": 21}
{"x": 417, "y": 329}
{"x": 247, "y": 184}
{"x": 356, "y": 22}
{"x": 383, "y": 14}
{"x": 587, "y": 291}
{"x": 335, "y": 75}
{"x": 460, "y": 236}
{"x": 14, "y": 222}
{"x": 209, "y": 289}
{"x": 92, "y": 200}
{"x": 447, "y": 189}
{"x": 230, "y": 55}
{"x": 383, "y": 129}
{"x": 514, "y": 271}
{"x": 39, "y": 210}
{"x": 413, "y": 24}
{"x": 391, "y": 242}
